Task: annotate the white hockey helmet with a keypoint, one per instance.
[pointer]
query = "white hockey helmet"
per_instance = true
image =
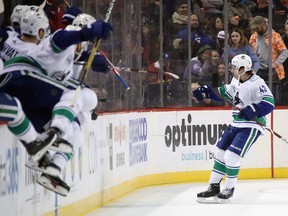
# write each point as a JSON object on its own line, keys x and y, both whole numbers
{"x": 17, "y": 13}
{"x": 73, "y": 28}
{"x": 242, "y": 60}
{"x": 79, "y": 22}
{"x": 83, "y": 19}
{"x": 33, "y": 21}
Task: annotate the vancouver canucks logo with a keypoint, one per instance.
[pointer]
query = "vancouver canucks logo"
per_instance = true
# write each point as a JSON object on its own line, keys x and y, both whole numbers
{"x": 237, "y": 100}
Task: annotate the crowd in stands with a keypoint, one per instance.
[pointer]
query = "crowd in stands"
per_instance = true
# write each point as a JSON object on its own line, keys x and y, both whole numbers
{"x": 194, "y": 39}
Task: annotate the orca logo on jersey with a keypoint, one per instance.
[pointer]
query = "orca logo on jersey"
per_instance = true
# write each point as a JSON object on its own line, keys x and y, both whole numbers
{"x": 59, "y": 75}
{"x": 237, "y": 100}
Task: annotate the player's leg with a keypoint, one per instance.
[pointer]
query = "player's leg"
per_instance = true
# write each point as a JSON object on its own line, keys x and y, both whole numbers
{"x": 18, "y": 123}
{"x": 240, "y": 145}
{"x": 55, "y": 184}
{"x": 219, "y": 168}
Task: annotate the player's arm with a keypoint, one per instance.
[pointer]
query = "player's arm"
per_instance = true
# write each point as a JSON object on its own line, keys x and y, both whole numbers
{"x": 263, "y": 108}
{"x": 207, "y": 96}
{"x": 62, "y": 39}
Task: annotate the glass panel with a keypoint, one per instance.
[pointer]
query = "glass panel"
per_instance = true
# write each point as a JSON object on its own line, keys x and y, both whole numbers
{"x": 162, "y": 54}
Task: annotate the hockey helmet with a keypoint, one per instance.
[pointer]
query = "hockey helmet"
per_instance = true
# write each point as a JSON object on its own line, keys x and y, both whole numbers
{"x": 240, "y": 61}
{"x": 32, "y": 21}
{"x": 17, "y": 13}
{"x": 83, "y": 19}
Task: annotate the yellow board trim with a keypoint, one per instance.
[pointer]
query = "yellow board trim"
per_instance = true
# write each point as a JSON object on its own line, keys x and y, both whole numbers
{"x": 99, "y": 199}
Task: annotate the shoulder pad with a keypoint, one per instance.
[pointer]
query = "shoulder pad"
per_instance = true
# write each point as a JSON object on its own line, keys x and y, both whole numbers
{"x": 254, "y": 78}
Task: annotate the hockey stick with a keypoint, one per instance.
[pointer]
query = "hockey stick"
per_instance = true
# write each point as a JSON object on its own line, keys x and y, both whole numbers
{"x": 175, "y": 76}
{"x": 273, "y": 132}
{"x": 91, "y": 56}
{"x": 125, "y": 84}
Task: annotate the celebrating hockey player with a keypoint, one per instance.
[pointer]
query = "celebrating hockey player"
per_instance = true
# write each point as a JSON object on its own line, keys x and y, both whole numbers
{"x": 52, "y": 57}
{"x": 252, "y": 101}
{"x": 34, "y": 27}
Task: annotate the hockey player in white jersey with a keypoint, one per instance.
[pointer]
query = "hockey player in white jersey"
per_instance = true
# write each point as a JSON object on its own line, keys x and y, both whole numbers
{"x": 12, "y": 114}
{"x": 89, "y": 99}
{"x": 252, "y": 101}
{"x": 34, "y": 28}
{"x": 59, "y": 159}
{"x": 53, "y": 57}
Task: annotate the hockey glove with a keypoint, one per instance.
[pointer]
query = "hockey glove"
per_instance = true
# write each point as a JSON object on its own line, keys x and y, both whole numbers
{"x": 199, "y": 94}
{"x": 249, "y": 112}
{"x": 70, "y": 14}
{"x": 100, "y": 64}
{"x": 98, "y": 29}
{"x": 205, "y": 92}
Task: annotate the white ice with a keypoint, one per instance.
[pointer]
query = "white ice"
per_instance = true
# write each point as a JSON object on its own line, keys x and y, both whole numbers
{"x": 251, "y": 198}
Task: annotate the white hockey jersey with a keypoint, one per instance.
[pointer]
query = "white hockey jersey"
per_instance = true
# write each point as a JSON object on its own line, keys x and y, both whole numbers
{"x": 14, "y": 46}
{"x": 252, "y": 91}
{"x": 45, "y": 58}
{"x": 57, "y": 63}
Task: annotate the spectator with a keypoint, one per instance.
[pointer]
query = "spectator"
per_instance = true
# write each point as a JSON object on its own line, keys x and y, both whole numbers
{"x": 153, "y": 70}
{"x": 178, "y": 49}
{"x": 239, "y": 16}
{"x": 212, "y": 7}
{"x": 214, "y": 25}
{"x": 284, "y": 82}
{"x": 218, "y": 78}
{"x": 262, "y": 6}
{"x": 220, "y": 43}
{"x": 171, "y": 4}
{"x": 285, "y": 40}
{"x": 179, "y": 19}
{"x": 259, "y": 41}
{"x": 213, "y": 68}
{"x": 55, "y": 13}
{"x": 150, "y": 44}
{"x": 238, "y": 44}
{"x": 199, "y": 65}
{"x": 197, "y": 33}
{"x": 152, "y": 92}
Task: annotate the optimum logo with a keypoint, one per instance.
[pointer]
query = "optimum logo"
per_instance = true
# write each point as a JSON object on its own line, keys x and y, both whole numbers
{"x": 188, "y": 134}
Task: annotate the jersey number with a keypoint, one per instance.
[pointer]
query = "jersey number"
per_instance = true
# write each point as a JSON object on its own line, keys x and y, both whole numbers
{"x": 263, "y": 89}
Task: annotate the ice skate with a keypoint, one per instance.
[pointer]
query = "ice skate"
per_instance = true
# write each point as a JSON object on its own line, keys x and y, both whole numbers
{"x": 210, "y": 195}
{"x": 225, "y": 195}
{"x": 45, "y": 165}
{"x": 54, "y": 184}
{"x": 37, "y": 148}
{"x": 61, "y": 145}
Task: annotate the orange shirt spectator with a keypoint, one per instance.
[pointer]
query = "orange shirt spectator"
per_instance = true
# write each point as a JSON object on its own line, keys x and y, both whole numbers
{"x": 259, "y": 41}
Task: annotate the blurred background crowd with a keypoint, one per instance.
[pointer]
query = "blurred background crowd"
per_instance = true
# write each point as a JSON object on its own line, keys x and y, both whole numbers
{"x": 164, "y": 48}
